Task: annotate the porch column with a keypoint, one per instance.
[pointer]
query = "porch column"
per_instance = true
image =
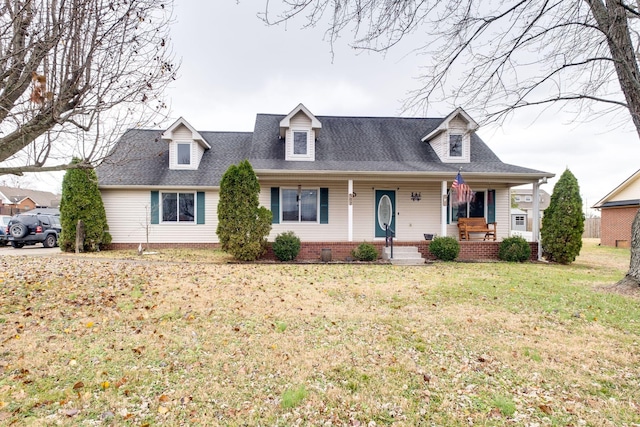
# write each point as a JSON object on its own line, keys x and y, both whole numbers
{"x": 350, "y": 212}
{"x": 535, "y": 227}
{"x": 443, "y": 211}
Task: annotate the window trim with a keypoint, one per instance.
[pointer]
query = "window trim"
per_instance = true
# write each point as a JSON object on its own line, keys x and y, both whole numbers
{"x": 161, "y": 208}
{"x": 177, "y": 162}
{"x": 307, "y": 154}
{"x": 299, "y": 221}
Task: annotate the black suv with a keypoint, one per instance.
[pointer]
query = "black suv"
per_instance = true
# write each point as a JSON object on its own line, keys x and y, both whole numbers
{"x": 37, "y": 226}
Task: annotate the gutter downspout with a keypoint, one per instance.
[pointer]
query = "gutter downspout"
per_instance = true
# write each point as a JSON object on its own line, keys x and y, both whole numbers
{"x": 443, "y": 211}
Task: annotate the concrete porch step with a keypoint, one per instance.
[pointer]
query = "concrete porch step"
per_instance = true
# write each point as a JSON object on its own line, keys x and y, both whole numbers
{"x": 403, "y": 255}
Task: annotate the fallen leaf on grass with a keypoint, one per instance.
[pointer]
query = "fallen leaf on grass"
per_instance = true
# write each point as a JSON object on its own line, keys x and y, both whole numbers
{"x": 163, "y": 398}
{"x": 78, "y": 385}
{"x": 546, "y": 409}
{"x": 163, "y": 410}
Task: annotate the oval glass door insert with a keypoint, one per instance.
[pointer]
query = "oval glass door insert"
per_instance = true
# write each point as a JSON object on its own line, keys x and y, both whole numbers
{"x": 384, "y": 211}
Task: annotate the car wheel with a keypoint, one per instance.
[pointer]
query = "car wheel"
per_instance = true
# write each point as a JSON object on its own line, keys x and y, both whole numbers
{"x": 17, "y": 245}
{"x": 49, "y": 241}
{"x": 18, "y": 230}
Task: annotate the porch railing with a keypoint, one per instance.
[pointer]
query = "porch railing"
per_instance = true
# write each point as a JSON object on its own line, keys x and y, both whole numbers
{"x": 388, "y": 237}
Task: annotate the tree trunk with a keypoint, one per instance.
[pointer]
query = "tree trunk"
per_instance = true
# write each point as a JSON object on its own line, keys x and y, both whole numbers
{"x": 633, "y": 275}
{"x": 612, "y": 19}
{"x": 80, "y": 236}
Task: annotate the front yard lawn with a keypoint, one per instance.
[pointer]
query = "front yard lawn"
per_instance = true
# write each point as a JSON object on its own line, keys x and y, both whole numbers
{"x": 197, "y": 341}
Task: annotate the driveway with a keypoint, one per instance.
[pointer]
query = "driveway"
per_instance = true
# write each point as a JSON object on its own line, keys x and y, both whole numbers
{"x": 35, "y": 250}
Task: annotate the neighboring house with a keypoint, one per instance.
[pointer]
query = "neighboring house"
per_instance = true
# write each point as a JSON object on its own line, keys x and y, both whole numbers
{"x": 331, "y": 180}
{"x": 14, "y": 200}
{"x": 523, "y": 198}
{"x": 618, "y": 209}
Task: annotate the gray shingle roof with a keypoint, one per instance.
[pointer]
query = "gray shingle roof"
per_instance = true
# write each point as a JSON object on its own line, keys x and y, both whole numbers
{"x": 142, "y": 158}
{"x": 361, "y": 144}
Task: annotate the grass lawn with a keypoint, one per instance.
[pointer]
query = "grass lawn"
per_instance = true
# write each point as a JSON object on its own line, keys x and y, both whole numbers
{"x": 184, "y": 338}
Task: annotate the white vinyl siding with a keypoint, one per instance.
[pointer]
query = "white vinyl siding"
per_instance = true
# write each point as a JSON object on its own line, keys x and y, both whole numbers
{"x": 128, "y": 216}
{"x": 335, "y": 230}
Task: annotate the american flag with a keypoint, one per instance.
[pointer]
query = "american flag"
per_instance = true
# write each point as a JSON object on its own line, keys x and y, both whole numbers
{"x": 463, "y": 193}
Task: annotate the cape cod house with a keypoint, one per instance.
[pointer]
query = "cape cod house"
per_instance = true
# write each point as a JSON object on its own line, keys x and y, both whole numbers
{"x": 334, "y": 181}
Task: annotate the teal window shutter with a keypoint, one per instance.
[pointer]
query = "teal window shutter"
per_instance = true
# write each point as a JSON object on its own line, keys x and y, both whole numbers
{"x": 324, "y": 206}
{"x": 155, "y": 207}
{"x": 275, "y": 205}
{"x": 200, "y": 207}
{"x": 491, "y": 206}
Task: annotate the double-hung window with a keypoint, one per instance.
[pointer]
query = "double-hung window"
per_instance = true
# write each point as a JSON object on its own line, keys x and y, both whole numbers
{"x": 178, "y": 207}
{"x": 184, "y": 154}
{"x": 300, "y": 205}
{"x": 455, "y": 145}
{"x": 300, "y": 142}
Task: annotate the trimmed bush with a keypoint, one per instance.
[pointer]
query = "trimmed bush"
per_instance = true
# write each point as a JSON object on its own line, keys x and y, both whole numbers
{"x": 365, "y": 252}
{"x": 286, "y": 246}
{"x": 514, "y": 249}
{"x": 445, "y": 248}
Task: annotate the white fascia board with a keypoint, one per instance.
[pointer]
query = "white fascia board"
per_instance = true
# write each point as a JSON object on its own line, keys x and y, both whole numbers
{"x": 195, "y": 135}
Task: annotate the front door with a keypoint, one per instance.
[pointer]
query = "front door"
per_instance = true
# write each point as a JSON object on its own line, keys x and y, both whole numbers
{"x": 385, "y": 211}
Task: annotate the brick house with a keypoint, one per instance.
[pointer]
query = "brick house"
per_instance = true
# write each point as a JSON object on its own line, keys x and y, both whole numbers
{"x": 618, "y": 209}
{"x": 15, "y": 200}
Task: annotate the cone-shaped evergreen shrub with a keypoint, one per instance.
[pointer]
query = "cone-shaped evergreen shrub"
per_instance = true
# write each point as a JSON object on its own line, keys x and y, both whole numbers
{"x": 563, "y": 221}
{"x": 81, "y": 200}
{"x": 243, "y": 224}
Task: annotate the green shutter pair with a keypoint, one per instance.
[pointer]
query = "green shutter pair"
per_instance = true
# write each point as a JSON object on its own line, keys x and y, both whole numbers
{"x": 275, "y": 205}
{"x": 155, "y": 207}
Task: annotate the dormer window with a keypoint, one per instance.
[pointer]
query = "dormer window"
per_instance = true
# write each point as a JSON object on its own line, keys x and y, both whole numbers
{"x": 184, "y": 154}
{"x": 186, "y": 146}
{"x": 300, "y": 143}
{"x": 451, "y": 140}
{"x": 455, "y": 145}
{"x": 299, "y": 130}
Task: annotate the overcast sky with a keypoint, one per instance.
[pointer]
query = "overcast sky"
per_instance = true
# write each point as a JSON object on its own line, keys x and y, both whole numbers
{"x": 234, "y": 66}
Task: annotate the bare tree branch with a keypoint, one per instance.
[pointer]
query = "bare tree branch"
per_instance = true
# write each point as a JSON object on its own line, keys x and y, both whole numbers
{"x": 64, "y": 64}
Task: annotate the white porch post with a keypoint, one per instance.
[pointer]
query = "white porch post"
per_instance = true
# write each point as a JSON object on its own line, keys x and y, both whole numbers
{"x": 443, "y": 212}
{"x": 535, "y": 228}
{"x": 350, "y": 212}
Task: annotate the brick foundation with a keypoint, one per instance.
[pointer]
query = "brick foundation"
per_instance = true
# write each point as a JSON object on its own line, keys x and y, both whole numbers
{"x": 615, "y": 226}
{"x": 341, "y": 251}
